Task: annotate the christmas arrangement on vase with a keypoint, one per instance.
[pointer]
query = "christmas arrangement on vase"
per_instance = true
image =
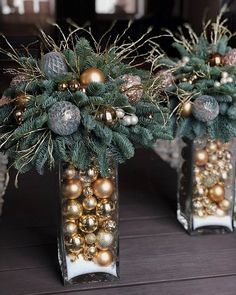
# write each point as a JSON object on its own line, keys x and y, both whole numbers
{"x": 84, "y": 108}
{"x": 201, "y": 97}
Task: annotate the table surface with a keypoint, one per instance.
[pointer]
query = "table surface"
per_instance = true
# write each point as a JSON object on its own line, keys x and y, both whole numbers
{"x": 156, "y": 255}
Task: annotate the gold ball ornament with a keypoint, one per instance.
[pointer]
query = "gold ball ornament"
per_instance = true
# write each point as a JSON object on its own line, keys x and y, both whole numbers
{"x": 22, "y": 99}
{"x": 18, "y": 115}
{"x": 211, "y": 208}
{"x": 201, "y": 212}
{"x": 104, "y": 240}
{"x": 216, "y": 59}
{"x": 217, "y": 193}
{"x": 104, "y": 258}
{"x": 107, "y": 115}
{"x": 211, "y": 147}
{"x": 90, "y": 203}
{"x": 72, "y": 209}
{"x": 90, "y": 238}
{"x": 72, "y": 189}
{"x": 105, "y": 208}
{"x": 62, "y": 86}
{"x": 186, "y": 109}
{"x": 201, "y": 158}
{"x": 70, "y": 172}
{"x": 225, "y": 205}
{"x": 103, "y": 188}
{"x": 90, "y": 175}
{"x": 70, "y": 227}
{"x": 74, "y": 243}
{"x": 74, "y": 85}
{"x": 88, "y": 223}
{"x": 87, "y": 191}
{"x": 91, "y": 75}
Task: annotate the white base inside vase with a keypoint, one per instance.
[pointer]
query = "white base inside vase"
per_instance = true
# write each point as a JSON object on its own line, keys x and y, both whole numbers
{"x": 81, "y": 267}
{"x": 225, "y": 221}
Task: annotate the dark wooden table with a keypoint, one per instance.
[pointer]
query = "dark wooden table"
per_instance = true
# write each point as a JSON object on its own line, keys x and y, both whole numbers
{"x": 156, "y": 255}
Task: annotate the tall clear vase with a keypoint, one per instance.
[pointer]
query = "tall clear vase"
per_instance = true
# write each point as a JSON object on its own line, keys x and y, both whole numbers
{"x": 88, "y": 244}
{"x": 206, "y": 185}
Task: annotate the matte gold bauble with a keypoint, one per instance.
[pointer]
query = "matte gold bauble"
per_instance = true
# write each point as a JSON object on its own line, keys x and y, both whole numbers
{"x": 104, "y": 240}
{"x": 90, "y": 252}
{"x": 104, "y": 258}
{"x": 89, "y": 203}
{"x": 18, "y": 115}
{"x": 225, "y": 205}
{"x": 62, "y": 86}
{"x": 217, "y": 193}
{"x": 72, "y": 209}
{"x": 88, "y": 223}
{"x": 70, "y": 227}
{"x": 107, "y": 115}
{"x": 69, "y": 172}
{"x": 74, "y": 243}
{"x": 201, "y": 158}
{"x": 22, "y": 99}
{"x": 90, "y": 175}
{"x": 90, "y": 238}
{"x": 186, "y": 109}
{"x": 72, "y": 188}
{"x": 105, "y": 208}
{"x": 216, "y": 59}
{"x": 74, "y": 85}
{"x": 103, "y": 188}
{"x": 92, "y": 75}
{"x": 87, "y": 191}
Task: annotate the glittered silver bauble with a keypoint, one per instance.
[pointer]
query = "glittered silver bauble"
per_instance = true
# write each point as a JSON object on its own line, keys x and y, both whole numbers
{"x": 17, "y": 79}
{"x": 230, "y": 58}
{"x": 166, "y": 79}
{"x": 53, "y": 64}
{"x": 104, "y": 239}
{"x": 132, "y": 88}
{"x": 205, "y": 108}
{"x": 63, "y": 118}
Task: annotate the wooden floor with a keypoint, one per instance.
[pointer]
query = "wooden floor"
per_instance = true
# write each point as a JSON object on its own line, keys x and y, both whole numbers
{"x": 156, "y": 255}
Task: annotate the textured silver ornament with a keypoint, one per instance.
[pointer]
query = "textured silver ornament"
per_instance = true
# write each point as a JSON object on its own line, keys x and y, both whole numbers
{"x": 205, "y": 108}
{"x": 166, "y": 78}
{"x": 104, "y": 239}
{"x": 132, "y": 87}
{"x": 17, "y": 79}
{"x": 63, "y": 118}
{"x": 53, "y": 64}
{"x": 230, "y": 58}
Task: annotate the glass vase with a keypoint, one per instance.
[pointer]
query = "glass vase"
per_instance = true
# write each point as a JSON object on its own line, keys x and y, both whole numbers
{"x": 206, "y": 185}
{"x": 88, "y": 244}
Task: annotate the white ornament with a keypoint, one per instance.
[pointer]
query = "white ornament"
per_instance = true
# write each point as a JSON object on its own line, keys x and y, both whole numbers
{"x": 185, "y": 59}
{"x": 229, "y": 79}
{"x": 217, "y": 84}
{"x": 223, "y": 80}
{"x": 120, "y": 113}
{"x": 224, "y": 75}
{"x": 134, "y": 119}
{"x": 127, "y": 120}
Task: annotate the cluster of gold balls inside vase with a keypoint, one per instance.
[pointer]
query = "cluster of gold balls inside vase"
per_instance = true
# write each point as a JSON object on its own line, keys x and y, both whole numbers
{"x": 212, "y": 179}
{"x": 89, "y": 208}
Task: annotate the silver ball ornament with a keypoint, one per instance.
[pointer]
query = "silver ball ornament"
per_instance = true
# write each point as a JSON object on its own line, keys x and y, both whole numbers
{"x": 120, "y": 113}
{"x": 134, "y": 119}
{"x": 53, "y": 64}
{"x": 63, "y": 118}
{"x": 127, "y": 120}
{"x": 205, "y": 108}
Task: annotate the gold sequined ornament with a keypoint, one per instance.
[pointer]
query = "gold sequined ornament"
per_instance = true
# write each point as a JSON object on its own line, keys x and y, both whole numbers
{"x": 91, "y": 75}
{"x": 109, "y": 225}
{"x": 103, "y": 188}
{"x": 89, "y": 203}
{"x": 104, "y": 258}
{"x": 90, "y": 238}
{"x": 105, "y": 208}
{"x": 70, "y": 227}
{"x": 90, "y": 175}
{"x": 72, "y": 209}
{"x": 74, "y": 243}
{"x": 107, "y": 115}
{"x": 104, "y": 240}
{"x": 87, "y": 191}
{"x": 88, "y": 223}
{"x": 72, "y": 189}
{"x": 90, "y": 252}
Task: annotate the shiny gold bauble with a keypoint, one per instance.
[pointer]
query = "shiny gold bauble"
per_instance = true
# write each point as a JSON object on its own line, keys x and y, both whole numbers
{"x": 107, "y": 115}
{"x": 72, "y": 188}
{"x": 90, "y": 175}
{"x": 74, "y": 85}
{"x": 225, "y": 205}
{"x": 216, "y": 59}
{"x": 201, "y": 158}
{"x": 62, "y": 86}
{"x": 213, "y": 158}
{"x": 217, "y": 193}
{"x": 22, "y": 99}
{"x": 90, "y": 252}
{"x": 18, "y": 115}
{"x": 70, "y": 227}
{"x": 89, "y": 203}
{"x": 74, "y": 243}
{"x": 212, "y": 147}
{"x": 186, "y": 109}
{"x": 105, "y": 208}
{"x": 88, "y": 223}
{"x": 72, "y": 209}
{"x": 90, "y": 238}
{"x": 109, "y": 225}
{"x": 104, "y": 240}
{"x": 104, "y": 258}
{"x": 103, "y": 188}
{"x": 91, "y": 75}
{"x": 69, "y": 172}
{"x": 87, "y": 191}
